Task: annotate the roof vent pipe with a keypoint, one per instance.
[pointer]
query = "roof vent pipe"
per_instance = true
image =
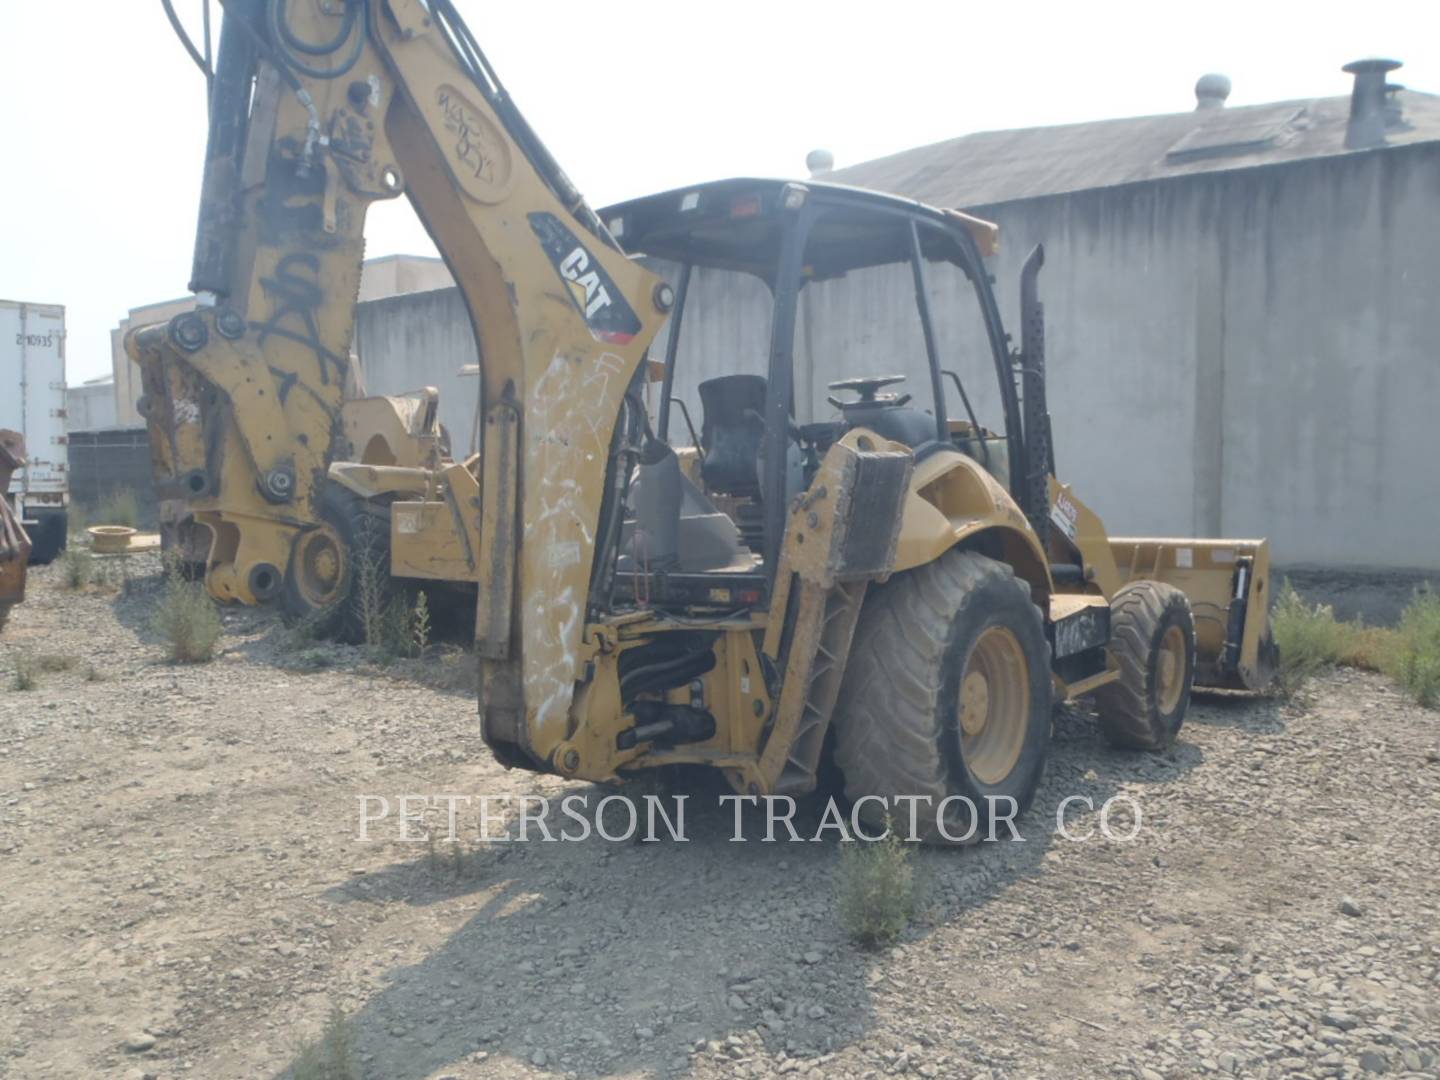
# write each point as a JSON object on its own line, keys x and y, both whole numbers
{"x": 1367, "y": 102}
{"x": 1211, "y": 91}
{"x": 819, "y": 162}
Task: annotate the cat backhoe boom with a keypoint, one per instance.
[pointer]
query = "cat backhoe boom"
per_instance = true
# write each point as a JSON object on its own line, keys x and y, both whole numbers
{"x": 318, "y": 110}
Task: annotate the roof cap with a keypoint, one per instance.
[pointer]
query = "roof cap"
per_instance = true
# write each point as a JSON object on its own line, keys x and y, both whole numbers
{"x": 819, "y": 161}
{"x": 1211, "y": 90}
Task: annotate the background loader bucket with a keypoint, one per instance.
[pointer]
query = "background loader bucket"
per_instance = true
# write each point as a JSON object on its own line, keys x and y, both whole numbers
{"x": 1228, "y": 584}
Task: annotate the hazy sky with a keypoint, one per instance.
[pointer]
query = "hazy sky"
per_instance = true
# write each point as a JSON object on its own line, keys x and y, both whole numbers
{"x": 103, "y": 120}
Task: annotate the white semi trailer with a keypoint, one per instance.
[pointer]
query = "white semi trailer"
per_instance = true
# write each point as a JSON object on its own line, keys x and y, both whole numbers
{"x": 32, "y": 402}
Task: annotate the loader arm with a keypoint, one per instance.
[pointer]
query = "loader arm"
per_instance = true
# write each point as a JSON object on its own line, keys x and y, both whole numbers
{"x": 321, "y": 108}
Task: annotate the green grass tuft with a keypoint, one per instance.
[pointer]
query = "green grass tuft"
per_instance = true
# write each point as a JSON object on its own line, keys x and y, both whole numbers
{"x": 77, "y": 566}
{"x": 332, "y": 1055}
{"x": 1312, "y": 640}
{"x": 1413, "y": 659}
{"x": 875, "y": 889}
{"x": 25, "y": 677}
{"x": 187, "y": 619}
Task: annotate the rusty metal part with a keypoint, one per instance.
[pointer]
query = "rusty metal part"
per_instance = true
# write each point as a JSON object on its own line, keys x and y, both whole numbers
{"x": 14, "y": 541}
{"x": 110, "y": 539}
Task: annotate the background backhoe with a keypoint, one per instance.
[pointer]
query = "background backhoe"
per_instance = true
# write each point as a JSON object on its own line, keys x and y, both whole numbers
{"x": 857, "y": 573}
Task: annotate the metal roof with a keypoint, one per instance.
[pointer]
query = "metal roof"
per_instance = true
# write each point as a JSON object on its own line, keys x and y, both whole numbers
{"x": 735, "y": 223}
{"x": 673, "y": 203}
{"x": 1006, "y": 166}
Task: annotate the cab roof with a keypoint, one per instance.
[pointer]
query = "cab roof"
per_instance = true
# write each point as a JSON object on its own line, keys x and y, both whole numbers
{"x": 737, "y": 224}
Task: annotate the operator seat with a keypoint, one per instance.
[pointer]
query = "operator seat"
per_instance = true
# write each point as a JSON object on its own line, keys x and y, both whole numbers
{"x": 732, "y": 433}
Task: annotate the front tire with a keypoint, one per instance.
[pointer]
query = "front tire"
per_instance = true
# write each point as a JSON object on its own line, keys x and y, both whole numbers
{"x": 947, "y": 696}
{"x": 1152, "y": 642}
{"x": 340, "y": 567}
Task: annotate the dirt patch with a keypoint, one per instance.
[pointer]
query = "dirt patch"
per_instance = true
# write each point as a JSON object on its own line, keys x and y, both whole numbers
{"x": 183, "y": 893}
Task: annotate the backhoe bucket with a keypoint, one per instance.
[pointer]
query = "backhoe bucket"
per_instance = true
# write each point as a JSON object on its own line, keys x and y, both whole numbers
{"x": 1228, "y": 584}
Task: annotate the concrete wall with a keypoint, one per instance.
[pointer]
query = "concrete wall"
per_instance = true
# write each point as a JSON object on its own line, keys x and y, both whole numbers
{"x": 90, "y": 406}
{"x": 417, "y": 340}
{"x": 394, "y": 275}
{"x": 1251, "y": 353}
{"x": 127, "y": 387}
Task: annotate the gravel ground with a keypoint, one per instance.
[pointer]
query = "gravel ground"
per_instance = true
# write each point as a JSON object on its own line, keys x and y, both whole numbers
{"x": 182, "y": 893}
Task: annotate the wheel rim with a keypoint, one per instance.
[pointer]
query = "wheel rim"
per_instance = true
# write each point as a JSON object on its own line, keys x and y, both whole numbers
{"x": 994, "y": 706}
{"x": 320, "y": 566}
{"x": 1170, "y": 670}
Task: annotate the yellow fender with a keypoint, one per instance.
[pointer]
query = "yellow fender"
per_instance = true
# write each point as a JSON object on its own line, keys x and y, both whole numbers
{"x": 953, "y": 500}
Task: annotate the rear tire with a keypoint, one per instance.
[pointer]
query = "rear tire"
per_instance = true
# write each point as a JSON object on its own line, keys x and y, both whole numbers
{"x": 946, "y": 693}
{"x": 48, "y": 536}
{"x": 1152, "y": 642}
{"x": 331, "y": 562}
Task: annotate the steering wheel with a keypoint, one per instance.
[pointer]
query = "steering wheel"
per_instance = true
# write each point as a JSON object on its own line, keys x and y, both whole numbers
{"x": 868, "y": 388}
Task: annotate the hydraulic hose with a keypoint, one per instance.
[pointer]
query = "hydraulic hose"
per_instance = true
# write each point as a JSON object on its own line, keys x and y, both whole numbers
{"x": 292, "y": 40}
{"x": 179, "y": 29}
{"x": 288, "y": 44}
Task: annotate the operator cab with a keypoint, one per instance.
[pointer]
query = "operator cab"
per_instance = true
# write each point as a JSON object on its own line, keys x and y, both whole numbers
{"x": 777, "y": 285}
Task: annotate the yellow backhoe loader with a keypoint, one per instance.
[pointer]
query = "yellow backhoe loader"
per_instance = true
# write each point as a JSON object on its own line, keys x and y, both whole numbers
{"x": 865, "y": 575}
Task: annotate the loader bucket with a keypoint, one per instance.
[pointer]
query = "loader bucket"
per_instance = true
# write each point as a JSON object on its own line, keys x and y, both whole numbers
{"x": 1228, "y": 583}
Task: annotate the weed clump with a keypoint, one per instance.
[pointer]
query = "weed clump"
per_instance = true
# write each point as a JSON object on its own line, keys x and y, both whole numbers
{"x": 399, "y": 631}
{"x": 876, "y": 889}
{"x": 1413, "y": 659}
{"x": 25, "y": 677}
{"x": 1311, "y": 640}
{"x": 77, "y": 567}
{"x": 332, "y": 1055}
{"x": 187, "y": 619}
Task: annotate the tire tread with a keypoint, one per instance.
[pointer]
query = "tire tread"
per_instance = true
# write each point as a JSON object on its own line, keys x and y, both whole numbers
{"x": 1128, "y": 716}
{"x": 889, "y": 731}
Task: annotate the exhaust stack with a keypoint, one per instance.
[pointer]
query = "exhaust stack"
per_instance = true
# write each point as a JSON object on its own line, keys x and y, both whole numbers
{"x": 1368, "y": 104}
